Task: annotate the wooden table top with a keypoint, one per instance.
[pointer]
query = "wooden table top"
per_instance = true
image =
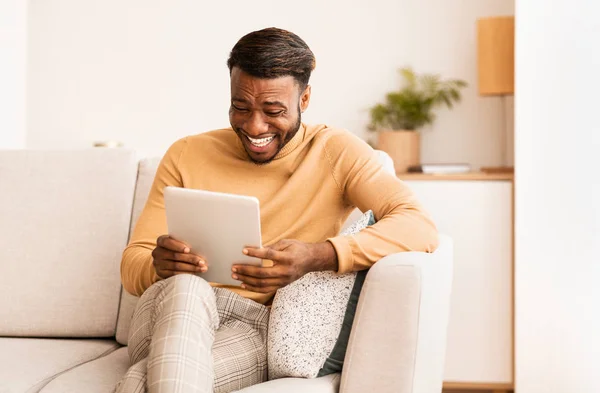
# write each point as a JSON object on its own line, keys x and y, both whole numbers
{"x": 458, "y": 176}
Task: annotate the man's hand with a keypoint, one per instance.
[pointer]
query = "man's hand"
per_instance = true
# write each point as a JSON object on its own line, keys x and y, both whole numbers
{"x": 291, "y": 260}
{"x": 173, "y": 257}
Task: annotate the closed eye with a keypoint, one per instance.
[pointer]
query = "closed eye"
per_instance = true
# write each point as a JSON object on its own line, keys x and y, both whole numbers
{"x": 274, "y": 113}
{"x": 239, "y": 109}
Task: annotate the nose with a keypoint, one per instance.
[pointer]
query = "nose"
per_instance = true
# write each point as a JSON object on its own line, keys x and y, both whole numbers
{"x": 256, "y": 125}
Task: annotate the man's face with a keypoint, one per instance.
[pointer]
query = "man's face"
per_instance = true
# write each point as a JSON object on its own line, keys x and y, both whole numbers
{"x": 265, "y": 113}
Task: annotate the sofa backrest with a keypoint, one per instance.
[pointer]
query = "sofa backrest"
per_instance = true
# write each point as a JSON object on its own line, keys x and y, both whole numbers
{"x": 64, "y": 223}
{"x": 147, "y": 169}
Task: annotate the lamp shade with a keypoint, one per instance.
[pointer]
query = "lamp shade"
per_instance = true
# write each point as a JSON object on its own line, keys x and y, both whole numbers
{"x": 496, "y": 55}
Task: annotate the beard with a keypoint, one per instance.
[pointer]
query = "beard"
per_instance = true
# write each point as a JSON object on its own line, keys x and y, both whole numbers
{"x": 290, "y": 133}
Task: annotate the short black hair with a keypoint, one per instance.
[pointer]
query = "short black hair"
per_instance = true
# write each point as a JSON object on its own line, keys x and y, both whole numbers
{"x": 272, "y": 53}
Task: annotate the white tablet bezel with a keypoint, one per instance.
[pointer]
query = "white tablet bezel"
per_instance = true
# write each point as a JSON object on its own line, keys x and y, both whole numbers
{"x": 216, "y": 226}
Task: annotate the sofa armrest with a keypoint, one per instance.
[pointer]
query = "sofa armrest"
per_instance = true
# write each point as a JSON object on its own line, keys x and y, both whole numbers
{"x": 398, "y": 339}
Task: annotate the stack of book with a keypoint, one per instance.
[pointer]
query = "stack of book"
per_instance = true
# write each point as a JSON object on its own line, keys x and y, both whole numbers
{"x": 440, "y": 168}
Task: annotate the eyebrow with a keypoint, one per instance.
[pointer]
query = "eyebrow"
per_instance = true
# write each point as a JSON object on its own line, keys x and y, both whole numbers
{"x": 268, "y": 103}
{"x": 274, "y": 103}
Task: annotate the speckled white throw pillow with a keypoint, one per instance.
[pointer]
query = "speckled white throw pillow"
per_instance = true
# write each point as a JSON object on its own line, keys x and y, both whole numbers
{"x": 306, "y": 319}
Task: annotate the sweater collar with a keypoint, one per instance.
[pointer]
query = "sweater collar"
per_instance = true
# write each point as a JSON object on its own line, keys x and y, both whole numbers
{"x": 293, "y": 143}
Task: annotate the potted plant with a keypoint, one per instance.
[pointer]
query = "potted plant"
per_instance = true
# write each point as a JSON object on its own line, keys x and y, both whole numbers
{"x": 407, "y": 110}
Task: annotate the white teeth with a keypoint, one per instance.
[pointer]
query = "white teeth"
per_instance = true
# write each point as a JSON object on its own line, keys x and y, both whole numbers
{"x": 261, "y": 142}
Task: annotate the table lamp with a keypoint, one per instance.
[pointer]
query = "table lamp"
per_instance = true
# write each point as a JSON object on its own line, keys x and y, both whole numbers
{"x": 496, "y": 67}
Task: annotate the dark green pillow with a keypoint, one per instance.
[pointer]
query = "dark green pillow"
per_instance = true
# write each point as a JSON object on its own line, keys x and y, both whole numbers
{"x": 335, "y": 361}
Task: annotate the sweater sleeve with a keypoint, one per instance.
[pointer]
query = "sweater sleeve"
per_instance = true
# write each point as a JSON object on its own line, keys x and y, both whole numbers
{"x": 137, "y": 271}
{"x": 402, "y": 224}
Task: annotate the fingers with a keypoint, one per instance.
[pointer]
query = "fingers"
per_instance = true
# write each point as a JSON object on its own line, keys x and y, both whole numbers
{"x": 160, "y": 253}
{"x": 170, "y": 273}
{"x": 261, "y": 279}
{"x": 259, "y": 282}
{"x": 171, "y": 249}
{"x": 181, "y": 267}
{"x": 262, "y": 285}
{"x": 261, "y": 289}
{"x": 164, "y": 268}
{"x": 266, "y": 253}
{"x": 256, "y": 271}
{"x": 264, "y": 279}
{"x": 165, "y": 241}
{"x": 172, "y": 257}
{"x": 181, "y": 257}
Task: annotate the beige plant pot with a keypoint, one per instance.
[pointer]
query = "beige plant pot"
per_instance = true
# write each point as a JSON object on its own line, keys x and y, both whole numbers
{"x": 403, "y": 146}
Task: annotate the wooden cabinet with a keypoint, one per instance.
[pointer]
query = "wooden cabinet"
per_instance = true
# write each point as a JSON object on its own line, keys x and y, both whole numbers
{"x": 477, "y": 212}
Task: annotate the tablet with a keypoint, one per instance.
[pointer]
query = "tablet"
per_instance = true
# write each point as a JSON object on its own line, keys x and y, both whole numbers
{"x": 216, "y": 226}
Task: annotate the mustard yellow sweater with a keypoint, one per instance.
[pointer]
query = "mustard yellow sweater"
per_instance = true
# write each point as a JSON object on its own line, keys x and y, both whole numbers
{"x": 306, "y": 193}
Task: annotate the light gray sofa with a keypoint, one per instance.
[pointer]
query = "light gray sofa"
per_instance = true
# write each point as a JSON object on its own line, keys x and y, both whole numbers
{"x": 65, "y": 218}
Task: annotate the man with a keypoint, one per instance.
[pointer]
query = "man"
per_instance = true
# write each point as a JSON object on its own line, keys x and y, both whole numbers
{"x": 189, "y": 336}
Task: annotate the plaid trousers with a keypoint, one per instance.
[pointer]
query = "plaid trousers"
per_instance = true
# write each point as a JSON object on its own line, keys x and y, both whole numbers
{"x": 186, "y": 336}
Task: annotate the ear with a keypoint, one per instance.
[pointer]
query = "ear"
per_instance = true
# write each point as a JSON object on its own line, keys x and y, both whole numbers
{"x": 305, "y": 99}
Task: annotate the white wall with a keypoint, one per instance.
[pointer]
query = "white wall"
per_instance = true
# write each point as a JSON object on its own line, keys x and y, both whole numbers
{"x": 148, "y": 72}
{"x": 557, "y": 158}
{"x": 13, "y": 50}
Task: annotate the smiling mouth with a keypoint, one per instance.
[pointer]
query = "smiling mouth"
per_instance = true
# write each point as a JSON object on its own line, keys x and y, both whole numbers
{"x": 260, "y": 142}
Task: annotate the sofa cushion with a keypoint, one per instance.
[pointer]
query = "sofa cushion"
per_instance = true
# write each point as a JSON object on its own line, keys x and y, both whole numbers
{"x": 126, "y": 309}
{"x": 146, "y": 171}
{"x": 98, "y": 376}
{"x": 101, "y": 376}
{"x": 386, "y": 162}
{"x": 327, "y": 384}
{"x": 65, "y": 222}
{"x": 30, "y": 363}
{"x": 307, "y": 319}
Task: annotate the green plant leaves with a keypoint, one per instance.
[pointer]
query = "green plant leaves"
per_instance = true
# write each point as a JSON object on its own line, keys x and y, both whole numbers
{"x": 412, "y": 106}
